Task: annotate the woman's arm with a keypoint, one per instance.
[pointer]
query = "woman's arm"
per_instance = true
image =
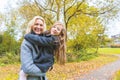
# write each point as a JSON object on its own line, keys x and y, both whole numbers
{"x": 41, "y": 40}
{"x": 27, "y": 61}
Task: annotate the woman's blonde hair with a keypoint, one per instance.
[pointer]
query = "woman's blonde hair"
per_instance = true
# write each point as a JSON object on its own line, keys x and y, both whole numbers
{"x": 31, "y": 23}
{"x": 60, "y": 52}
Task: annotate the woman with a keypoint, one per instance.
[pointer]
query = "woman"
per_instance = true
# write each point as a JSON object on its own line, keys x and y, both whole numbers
{"x": 30, "y": 51}
{"x": 52, "y": 43}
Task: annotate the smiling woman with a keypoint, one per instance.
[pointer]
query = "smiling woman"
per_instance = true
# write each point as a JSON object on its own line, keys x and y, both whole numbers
{"x": 38, "y": 26}
{"x": 29, "y": 52}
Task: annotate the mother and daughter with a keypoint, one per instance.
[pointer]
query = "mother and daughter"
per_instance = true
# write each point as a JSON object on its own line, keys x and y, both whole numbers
{"x": 40, "y": 47}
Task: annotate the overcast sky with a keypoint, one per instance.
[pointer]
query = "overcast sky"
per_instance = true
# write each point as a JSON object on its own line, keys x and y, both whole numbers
{"x": 2, "y": 5}
{"x": 113, "y": 26}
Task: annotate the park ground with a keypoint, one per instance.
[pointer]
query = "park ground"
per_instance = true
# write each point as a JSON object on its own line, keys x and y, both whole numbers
{"x": 70, "y": 70}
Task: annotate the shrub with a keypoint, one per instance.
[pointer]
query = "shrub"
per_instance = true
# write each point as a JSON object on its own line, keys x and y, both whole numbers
{"x": 80, "y": 56}
{"x": 9, "y": 58}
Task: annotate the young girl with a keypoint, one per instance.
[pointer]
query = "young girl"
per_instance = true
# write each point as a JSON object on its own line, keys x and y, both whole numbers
{"x": 50, "y": 45}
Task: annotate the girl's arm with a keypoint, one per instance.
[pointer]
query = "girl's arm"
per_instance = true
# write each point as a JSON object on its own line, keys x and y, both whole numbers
{"x": 41, "y": 40}
{"x": 27, "y": 61}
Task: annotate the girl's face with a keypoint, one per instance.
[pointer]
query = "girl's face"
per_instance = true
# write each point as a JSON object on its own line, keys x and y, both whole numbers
{"x": 38, "y": 26}
{"x": 55, "y": 30}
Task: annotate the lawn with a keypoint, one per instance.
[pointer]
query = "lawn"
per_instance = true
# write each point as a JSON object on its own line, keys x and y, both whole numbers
{"x": 109, "y": 50}
{"x": 116, "y": 76}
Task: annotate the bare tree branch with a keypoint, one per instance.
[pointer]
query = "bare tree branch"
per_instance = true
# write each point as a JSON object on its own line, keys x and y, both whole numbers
{"x": 45, "y": 9}
{"x": 52, "y": 3}
{"x": 64, "y": 12}
{"x": 40, "y": 6}
{"x": 94, "y": 13}
{"x": 75, "y": 11}
{"x": 70, "y": 6}
{"x": 48, "y": 19}
{"x": 47, "y": 3}
{"x": 80, "y": 4}
{"x": 107, "y": 10}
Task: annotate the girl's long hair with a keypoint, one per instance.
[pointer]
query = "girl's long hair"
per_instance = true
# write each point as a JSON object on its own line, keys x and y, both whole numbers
{"x": 60, "y": 52}
{"x": 31, "y": 23}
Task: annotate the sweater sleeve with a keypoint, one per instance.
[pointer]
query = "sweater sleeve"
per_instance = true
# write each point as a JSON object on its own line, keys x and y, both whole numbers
{"x": 41, "y": 40}
{"x": 27, "y": 61}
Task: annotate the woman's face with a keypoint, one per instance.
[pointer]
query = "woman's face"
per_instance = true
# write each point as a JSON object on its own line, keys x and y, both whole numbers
{"x": 38, "y": 26}
{"x": 55, "y": 30}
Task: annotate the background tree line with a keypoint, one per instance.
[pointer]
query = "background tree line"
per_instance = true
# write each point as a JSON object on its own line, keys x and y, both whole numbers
{"x": 85, "y": 24}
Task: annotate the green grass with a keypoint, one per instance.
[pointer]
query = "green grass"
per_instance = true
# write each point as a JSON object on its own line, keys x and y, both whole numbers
{"x": 117, "y": 76}
{"x": 109, "y": 50}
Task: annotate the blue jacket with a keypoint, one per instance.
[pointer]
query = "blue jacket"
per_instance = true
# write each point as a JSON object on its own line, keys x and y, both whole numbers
{"x": 47, "y": 45}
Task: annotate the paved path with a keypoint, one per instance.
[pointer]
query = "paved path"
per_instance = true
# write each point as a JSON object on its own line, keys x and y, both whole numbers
{"x": 103, "y": 73}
